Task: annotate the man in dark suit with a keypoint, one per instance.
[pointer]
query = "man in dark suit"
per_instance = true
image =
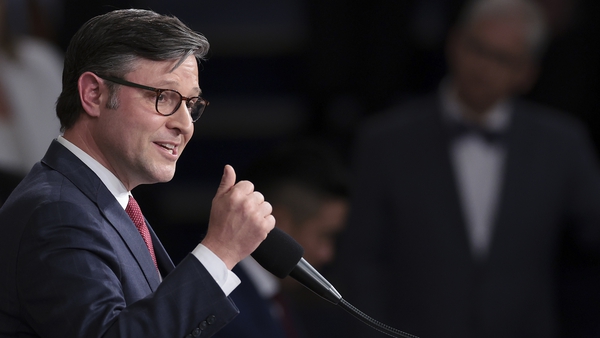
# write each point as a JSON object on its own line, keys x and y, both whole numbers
{"x": 305, "y": 182}
{"x": 77, "y": 258}
{"x": 466, "y": 201}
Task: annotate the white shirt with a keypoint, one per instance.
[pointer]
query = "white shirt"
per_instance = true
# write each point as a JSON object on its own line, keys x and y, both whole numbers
{"x": 266, "y": 283}
{"x": 226, "y": 279}
{"x": 479, "y": 167}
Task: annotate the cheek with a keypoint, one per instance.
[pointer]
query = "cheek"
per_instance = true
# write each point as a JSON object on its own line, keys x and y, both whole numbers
{"x": 316, "y": 246}
{"x": 324, "y": 251}
{"x": 499, "y": 81}
{"x": 187, "y": 137}
{"x": 129, "y": 140}
{"x": 463, "y": 61}
{"x": 112, "y": 131}
{"x": 124, "y": 132}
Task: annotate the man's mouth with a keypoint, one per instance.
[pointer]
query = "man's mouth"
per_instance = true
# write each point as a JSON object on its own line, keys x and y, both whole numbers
{"x": 169, "y": 147}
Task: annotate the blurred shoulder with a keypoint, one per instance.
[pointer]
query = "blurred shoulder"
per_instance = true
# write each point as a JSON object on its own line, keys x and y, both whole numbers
{"x": 408, "y": 115}
{"x": 549, "y": 121}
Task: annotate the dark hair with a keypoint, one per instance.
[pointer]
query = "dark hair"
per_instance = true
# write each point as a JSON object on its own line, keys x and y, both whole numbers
{"x": 300, "y": 175}
{"x": 109, "y": 44}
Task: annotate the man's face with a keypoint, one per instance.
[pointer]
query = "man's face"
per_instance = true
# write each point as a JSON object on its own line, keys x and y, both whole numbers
{"x": 490, "y": 61}
{"x": 136, "y": 143}
{"x": 318, "y": 234}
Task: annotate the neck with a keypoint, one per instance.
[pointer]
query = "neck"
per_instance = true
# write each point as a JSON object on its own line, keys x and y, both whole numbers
{"x": 81, "y": 137}
{"x": 474, "y": 111}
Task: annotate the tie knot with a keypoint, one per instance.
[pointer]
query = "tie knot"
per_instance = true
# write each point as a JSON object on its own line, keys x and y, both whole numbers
{"x": 134, "y": 212}
{"x": 458, "y": 129}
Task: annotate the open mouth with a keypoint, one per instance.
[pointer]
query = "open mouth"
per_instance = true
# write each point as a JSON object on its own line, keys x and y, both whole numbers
{"x": 169, "y": 147}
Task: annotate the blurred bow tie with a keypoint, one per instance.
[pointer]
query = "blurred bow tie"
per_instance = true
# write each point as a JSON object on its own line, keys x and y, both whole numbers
{"x": 458, "y": 129}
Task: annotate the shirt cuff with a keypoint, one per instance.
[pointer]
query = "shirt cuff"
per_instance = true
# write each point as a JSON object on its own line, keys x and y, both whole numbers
{"x": 226, "y": 279}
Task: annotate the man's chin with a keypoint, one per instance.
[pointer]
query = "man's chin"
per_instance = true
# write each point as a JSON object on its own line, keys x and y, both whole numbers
{"x": 161, "y": 176}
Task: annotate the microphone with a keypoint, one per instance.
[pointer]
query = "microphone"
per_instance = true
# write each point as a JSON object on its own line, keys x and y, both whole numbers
{"x": 281, "y": 255}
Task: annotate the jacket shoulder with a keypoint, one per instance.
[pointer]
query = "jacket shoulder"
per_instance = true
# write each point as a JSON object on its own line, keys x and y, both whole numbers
{"x": 408, "y": 117}
{"x": 550, "y": 122}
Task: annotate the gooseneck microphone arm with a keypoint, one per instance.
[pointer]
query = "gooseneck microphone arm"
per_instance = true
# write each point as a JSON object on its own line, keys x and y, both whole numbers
{"x": 281, "y": 255}
{"x": 379, "y": 326}
{"x": 314, "y": 281}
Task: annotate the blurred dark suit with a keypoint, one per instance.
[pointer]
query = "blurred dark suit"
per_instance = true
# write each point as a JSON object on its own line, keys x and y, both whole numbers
{"x": 262, "y": 316}
{"x": 258, "y": 320}
{"x": 407, "y": 234}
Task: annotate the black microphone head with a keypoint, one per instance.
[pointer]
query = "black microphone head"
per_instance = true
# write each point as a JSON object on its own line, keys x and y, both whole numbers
{"x": 278, "y": 253}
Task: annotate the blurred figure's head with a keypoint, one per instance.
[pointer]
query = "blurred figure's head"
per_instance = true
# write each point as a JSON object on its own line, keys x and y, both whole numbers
{"x": 306, "y": 185}
{"x": 493, "y": 51}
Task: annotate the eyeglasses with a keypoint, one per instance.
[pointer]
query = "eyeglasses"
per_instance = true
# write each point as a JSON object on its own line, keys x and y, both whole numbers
{"x": 501, "y": 58}
{"x": 167, "y": 100}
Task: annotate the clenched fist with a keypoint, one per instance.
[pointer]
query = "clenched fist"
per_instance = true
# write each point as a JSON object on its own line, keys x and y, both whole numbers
{"x": 240, "y": 219}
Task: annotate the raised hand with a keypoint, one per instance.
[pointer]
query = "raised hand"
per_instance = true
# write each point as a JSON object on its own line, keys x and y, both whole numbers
{"x": 240, "y": 219}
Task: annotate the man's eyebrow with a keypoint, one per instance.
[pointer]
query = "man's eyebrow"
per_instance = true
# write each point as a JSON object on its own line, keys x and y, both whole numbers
{"x": 169, "y": 84}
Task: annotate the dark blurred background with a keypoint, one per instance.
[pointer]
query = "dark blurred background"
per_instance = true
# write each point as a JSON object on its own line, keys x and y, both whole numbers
{"x": 281, "y": 70}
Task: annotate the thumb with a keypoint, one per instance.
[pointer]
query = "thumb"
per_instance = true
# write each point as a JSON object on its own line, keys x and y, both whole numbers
{"x": 227, "y": 181}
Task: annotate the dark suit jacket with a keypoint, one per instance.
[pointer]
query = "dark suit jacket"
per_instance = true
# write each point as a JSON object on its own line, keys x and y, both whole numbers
{"x": 72, "y": 264}
{"x": 407, "y": 254}
{"x": 255, "y": 319}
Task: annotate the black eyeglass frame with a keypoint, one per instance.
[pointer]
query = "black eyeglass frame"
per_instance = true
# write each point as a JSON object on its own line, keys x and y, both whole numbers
{"x": 159, "y": 91}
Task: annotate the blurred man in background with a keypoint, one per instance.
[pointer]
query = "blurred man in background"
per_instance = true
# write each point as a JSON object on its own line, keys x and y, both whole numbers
{"x": 306, "y": 184}
{"x": 470, "y": 203}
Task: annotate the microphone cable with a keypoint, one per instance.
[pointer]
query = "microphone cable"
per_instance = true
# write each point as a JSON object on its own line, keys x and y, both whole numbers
{"x": 281, "y": 255}
{"x": 377, "y": 325}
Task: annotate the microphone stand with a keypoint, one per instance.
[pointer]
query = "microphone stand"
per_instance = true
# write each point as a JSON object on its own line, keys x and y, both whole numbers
{"x": 314, "y": 281}
{"x": 379, "y": 326}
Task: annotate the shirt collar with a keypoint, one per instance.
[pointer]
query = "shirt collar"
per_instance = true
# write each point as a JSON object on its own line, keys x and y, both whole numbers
{"x": 114, "y": 185}
{"x": 266, "y": 284}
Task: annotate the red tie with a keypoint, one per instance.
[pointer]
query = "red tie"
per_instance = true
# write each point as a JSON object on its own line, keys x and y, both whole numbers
{"x": 134, "y": 212}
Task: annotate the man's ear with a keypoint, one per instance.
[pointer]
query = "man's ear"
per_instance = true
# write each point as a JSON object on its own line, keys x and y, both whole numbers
{"x": 92, "y": 93}
{"x": 283, "y": 217}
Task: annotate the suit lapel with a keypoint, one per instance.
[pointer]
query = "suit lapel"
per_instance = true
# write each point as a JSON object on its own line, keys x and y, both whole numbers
{"x": 62, "y": 160}
{"x": 449, "y": 192}
{"x": 119, "y": 219}
{"x": 438, "y": 181}
{"x": 520, "y": 152}
{"x": 165, "y": 264}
